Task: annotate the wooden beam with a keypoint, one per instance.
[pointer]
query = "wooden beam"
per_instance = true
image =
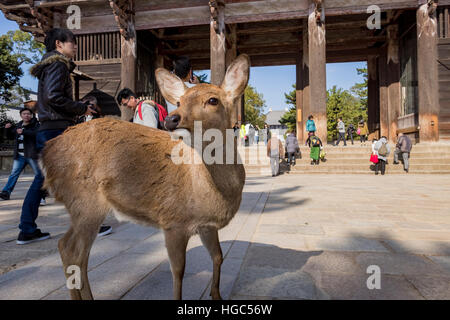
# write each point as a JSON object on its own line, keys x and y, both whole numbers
{"x": 427, "y": 72}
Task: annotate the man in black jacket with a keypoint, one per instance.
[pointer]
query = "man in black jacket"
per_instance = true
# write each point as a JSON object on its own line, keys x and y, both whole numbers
{"x": 57, "y": 111}
{"x": 24, "y": 133}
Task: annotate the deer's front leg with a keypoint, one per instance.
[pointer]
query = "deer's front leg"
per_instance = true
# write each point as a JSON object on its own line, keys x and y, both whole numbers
{"x": 176, "y": 243}
{"x": 210, "y": 239}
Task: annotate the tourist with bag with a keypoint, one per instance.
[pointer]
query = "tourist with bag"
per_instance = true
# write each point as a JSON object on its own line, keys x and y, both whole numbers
{"x": 382, "y": 150}
{"x": 403, "y": 148}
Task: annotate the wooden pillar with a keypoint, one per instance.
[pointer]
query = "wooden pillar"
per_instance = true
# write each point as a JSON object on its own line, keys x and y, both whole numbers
{"x": 373, "y": 98}
{"x": 384, "y": 97}
{"x": 393, "y": 81}
{"x": 218, "y": 41}
{"x": 299, "y": 97}
{"x": 427, "y": 73}
{"x": 124, "y": 15}
{"x": 317, "y": 69}
{"x": 305, "y": 80}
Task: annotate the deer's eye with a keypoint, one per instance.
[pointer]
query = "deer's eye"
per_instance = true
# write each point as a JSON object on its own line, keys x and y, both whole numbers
{"x": 213, "y": 101}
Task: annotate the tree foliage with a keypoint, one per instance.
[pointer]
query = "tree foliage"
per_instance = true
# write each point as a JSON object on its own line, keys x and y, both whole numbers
{"x": 350, "y": 105}
{"x": 16, "y": 48}
{"x": 254, "y": 107}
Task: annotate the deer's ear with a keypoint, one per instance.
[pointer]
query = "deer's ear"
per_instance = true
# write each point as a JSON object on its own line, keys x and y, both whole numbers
{"x": 237, "y": 76}
{"x": 172, "y": 87}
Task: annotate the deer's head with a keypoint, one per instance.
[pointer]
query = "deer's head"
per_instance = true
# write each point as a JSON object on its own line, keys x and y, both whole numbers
{"x": 214, "y": 106}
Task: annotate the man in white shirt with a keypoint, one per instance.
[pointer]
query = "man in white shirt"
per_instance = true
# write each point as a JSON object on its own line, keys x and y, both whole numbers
{"x": 183, "y": 70}
{"x": 144, "y": 113}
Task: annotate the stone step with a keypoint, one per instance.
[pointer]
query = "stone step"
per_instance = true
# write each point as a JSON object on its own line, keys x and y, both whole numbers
{"x": 362, "y": 167}
{"x": 339, "y": 149}
{"x": 352, "y": 161}
{"x": 325, "y": 171}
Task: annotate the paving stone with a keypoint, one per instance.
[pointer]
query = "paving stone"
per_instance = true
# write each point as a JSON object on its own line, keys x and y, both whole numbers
{"x": 132, "y": 232}
{"x": 229, "y": 273}
{"x": 354, "y": 286}
{"x": 344, "y": 244}
{"x": 420, "y": 246}
{"x": 398, "y": 264}
{"x": 287, "y": 241}
{"x": 274, "y": 282}
{"x": 291, "y": 229}
{"x": 432, "y": 287}
{"x": 30, "y": 283}
{"x": 275, "y": 257}
{"x": 443, "y": 261}
{"x": 158, "y": 286}
{"x": 114, "y": 277}
{"x": 331, "y": 262}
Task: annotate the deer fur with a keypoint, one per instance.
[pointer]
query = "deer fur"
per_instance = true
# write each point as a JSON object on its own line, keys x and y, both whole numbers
{"x": 107, "y": 165}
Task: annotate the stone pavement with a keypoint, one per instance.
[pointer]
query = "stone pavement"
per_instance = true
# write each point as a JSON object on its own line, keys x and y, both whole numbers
{"x": 294, "y": 237}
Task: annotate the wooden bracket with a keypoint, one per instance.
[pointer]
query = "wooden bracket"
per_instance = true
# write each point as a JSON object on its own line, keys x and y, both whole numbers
{"x": 432, "y": 6}
{"x": 318, "y": 10}
{"x": 123, "y": 14}
{"x": 214, "y": 7}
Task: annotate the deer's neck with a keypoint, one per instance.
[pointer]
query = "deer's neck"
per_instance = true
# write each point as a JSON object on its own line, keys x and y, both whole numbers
{"x": 228, "y": 175}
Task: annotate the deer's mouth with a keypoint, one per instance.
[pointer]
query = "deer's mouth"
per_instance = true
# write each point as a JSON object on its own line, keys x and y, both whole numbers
{"x": 180, "y": 132}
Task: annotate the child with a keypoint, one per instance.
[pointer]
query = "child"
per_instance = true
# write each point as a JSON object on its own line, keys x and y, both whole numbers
{"x": 310, "y": 125}
{"x": 314, "y": 143}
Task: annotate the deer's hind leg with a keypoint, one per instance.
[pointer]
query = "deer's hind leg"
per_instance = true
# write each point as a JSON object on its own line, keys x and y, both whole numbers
{"x": 74, "y": 247}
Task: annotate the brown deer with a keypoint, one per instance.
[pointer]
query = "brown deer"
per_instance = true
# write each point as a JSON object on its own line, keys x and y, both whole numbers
{"x": 108, "y": 165}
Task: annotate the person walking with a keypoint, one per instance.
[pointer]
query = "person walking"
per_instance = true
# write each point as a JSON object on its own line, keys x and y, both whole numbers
{"x": 363, "y": 131}
{"x": 257, "y": 134}
{"x": 382, "y": 150}
{"x": 350, "y": 131}
{"x": 275, "y": 151}
{"x": 315, "y": 144}
{"x": 251, "y": 135}
{"x": 266, "y": 133}
{"x": 57, "y": 111}
{"x": 292, "y": 148}
{"x": 341, "y": 131}
{"x": 24, "y": 134}
{"x": 311, "y": 125}
{"x": 243, "y": 134}
{"x": 403, "y": 148}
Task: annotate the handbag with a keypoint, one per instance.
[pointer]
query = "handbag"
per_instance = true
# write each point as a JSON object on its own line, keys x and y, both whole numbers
{"x": 374, "y": 158}
{"x": 359, "y": 131}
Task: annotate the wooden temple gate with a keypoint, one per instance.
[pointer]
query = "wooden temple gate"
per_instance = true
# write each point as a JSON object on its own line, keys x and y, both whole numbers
{"x": 121, "y": 43}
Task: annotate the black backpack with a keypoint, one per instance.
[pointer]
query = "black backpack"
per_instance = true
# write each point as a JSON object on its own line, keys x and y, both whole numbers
{"x": 315, "y": 141}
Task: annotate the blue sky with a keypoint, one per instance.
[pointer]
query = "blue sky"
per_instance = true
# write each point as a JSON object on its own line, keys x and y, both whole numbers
{"x": 272, "y": 82}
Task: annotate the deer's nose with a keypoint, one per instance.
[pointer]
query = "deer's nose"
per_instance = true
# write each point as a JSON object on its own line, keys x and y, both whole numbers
{"x": 172, "y": 122}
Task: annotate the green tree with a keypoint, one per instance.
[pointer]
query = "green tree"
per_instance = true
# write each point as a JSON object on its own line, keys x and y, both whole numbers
{"x": 341, "y": 103}
{"x": 360, "y": 90}
{"x": 290, "y": 117}
{"x": 254, "y": 107}
{"x": 16, "y": 48}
